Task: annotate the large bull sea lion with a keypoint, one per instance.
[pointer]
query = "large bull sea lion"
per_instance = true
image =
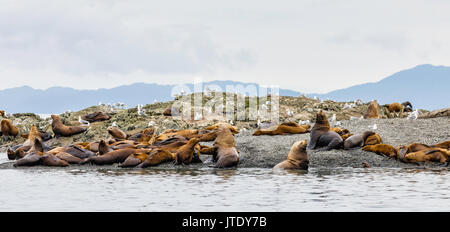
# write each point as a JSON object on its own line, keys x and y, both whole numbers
{"x": 297, "y": 157}
{"x": 226, "y": 154}
{"x": 322, "y": 136}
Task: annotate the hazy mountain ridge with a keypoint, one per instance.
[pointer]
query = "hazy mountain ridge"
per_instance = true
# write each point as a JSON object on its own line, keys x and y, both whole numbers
{"x": 425, "y": 86}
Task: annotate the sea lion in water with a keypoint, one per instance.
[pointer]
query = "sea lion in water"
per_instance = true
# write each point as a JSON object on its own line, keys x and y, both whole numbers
{"x": 321, "y": 136}
{"x": 297, "y": 157}
{"x": 8, "y": 129}
{"x": 372, "y": 110}
{"x": 283, "y": 128}
{"x": 96, "y": 117}
{"x": 382, "y": 149}
{"x": 357, "y": 140}
{"x": 185, "y": 153}
{"x": 117, "y": 133}
{"x": 117, "y": 156}
{"x": 59, "y": 129}
{"x": 225, "y": 145}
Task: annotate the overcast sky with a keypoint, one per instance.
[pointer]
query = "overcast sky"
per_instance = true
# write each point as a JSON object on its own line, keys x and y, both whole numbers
{"x": 304, "y": 45}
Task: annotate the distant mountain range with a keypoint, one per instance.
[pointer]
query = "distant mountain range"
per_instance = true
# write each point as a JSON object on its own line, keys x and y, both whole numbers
{"x": 425, "y": 86}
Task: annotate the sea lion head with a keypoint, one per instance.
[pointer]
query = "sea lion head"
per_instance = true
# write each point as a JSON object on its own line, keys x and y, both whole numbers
{"x": 321, "y": 122}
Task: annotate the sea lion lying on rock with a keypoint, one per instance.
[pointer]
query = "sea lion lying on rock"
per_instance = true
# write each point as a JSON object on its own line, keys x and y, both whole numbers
{"x": 8, "y": 129}
{"x": 133, "y": 160}
{"x": 322, "y": 136}
{"x": 117, "y": 156}
{"x": 297, "y": 157}
{"x": 382, "y": 149}
{"x": 444, "y": 145}
{"x": 59, "y": 129}
{"x": 373, "y": 139}
{"x": 372, "y": 111}
{"x": 44, "y": 135}
{"x": 96, "y": 117}
{"x": 33, "y": 156}
{"x": 157, "y": 157}
{"x": 283, "y": 128}
{"x": 117, "y": 133}
{"x": 357, "y": 140}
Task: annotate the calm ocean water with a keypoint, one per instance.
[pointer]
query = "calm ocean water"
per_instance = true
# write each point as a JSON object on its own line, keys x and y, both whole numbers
{"x": 244, "y": 189}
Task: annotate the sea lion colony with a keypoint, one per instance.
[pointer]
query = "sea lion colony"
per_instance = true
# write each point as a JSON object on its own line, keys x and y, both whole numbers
{"x": 182, "y": 147}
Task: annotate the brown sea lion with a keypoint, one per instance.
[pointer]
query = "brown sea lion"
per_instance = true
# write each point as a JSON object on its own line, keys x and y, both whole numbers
{"x": 372, "y": 110}
{"x": 185, "y": 153}
{"x": 233, "y": 129}
{"x": 346, "y": 136}
{"x": 437, "y": 155}
{"x": 167, "y": 112}
{"x": 416, "y": 157}
{"x": 68, "y": 158}
{"x": 157, "y": 157}
{"x": 413, "y": 147}
{"x": 73, "y": 150}
{"x": 225, "y": 145}
{"x": 33, "y": 156}
{"x": 407, "y": 104}
{"x": 44, "y": 135}
{"x": 2, "y": 113}
{"x": 117, "y": 156}
{"x": 395, "y": 107}
{"x": 444, "y": 145}
{"x": 297, "y": 157}
{"x": 104, "y": 148}
{"x": 117, "y": 133}
{"x": 59, "y": 129}
{"x": 96, "y": 117}
{"x": 283, "y": 128}
{"x": 340, "y": 131}
{"x": 133, "y": 160}
{"x": 382, "y": 149}
{"x": 8, "y": 129}
{"x": 373, "y": 139}
{"x": 207, "y": 150}
{"x": 17, "y": 152}
{"x": 357, "y": 140}
{"x": 51, "y": 160}
{"x": 321, "y": 136}
{"x": 188, "y": 134}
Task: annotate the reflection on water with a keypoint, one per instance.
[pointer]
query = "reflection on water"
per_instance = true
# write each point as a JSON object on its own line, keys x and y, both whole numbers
{"x": 78, "y": 188}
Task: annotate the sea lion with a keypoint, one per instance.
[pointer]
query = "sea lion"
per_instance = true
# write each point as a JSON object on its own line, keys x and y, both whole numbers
{"x": 2, "y": 113}
{"x": 225, "y": 145}
{"x": 357, "y": 140}
{"x": 373, "y": 139}
{"x": 372, "y": 110}
{"x": 283, "y": 128}
{"x": 73, "y": 150}
{"x": 8, "y": 129}
{"x": 33, "y": 156}
{"x": 156, "y": 157}
{"x": 44, "y": 135}
{"x": 71, "y": 159}
{"x": 321, "y": 136}
{"x": 167, "y": 112}
{"x": 133, "y": 160}
{"x": 382, "y": 149}
{"x": 51, "y": 160}
{"x": 188, "y": 134}
{"x": 444, "y": 145}
{"x": 297, "y": 157}
{"x": 395, "y": 107}
{"x": 407, "y": 105}
{"x": 185, "y": 153}
{"x": 104, "y": 148}
{"x": 96, "y": 117}
{"x": 117, "y": 133}
{"x": 340, "y": 131}
{"x": 437, "y": 155}
{"x": 17, "y": 152}
{"x": 59, "y": 129}
{"x": 346, "y": 136}
{"x": 117, "y": 156}
{"x": 415, "y": 157}
{"x": 233, "y": 129}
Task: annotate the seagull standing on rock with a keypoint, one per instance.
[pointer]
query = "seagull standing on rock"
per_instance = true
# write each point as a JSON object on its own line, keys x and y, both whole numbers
{"x": 141, "y": 112}
{"x": 83, "y": 122}
{"x": 413, "y": 115}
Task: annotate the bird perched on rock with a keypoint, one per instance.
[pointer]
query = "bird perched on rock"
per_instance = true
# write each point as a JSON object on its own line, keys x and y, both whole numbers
{"x": 413, "y": 115}
{"x": 83, "y": 122}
